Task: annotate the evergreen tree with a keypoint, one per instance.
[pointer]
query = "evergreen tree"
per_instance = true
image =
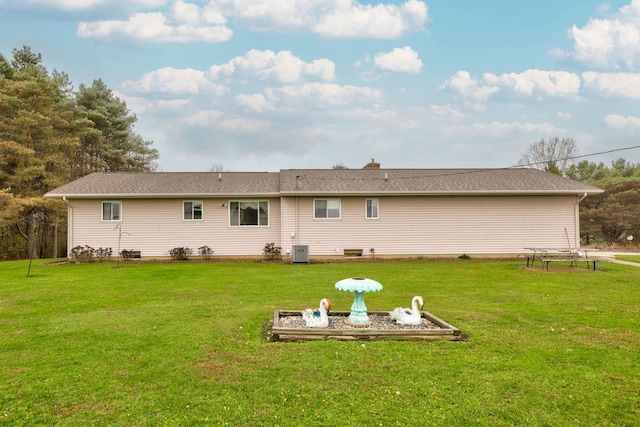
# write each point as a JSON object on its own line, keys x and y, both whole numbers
{"x": 111, "y": 145}
{"x": 587, "y": 171}
{"x": 612, "y": 215}
{"x": 37, "y": 143}
{"x": 50, "y": 135}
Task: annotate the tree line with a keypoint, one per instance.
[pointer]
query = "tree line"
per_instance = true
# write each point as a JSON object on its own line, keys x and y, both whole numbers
{"x": 51, "y": 134}
{"x": 612, "y": 217}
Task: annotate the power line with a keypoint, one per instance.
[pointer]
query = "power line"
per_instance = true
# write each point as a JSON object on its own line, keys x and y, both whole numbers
{"x": 578, "y": 157}
{"x": 466, "y": 171}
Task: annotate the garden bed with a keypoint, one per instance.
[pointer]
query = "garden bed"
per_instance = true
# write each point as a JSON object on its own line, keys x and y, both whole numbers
{"x": 289, "y": 326}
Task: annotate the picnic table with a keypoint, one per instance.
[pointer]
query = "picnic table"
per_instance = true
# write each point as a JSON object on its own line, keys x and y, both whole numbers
{"x": 548, "y": 255}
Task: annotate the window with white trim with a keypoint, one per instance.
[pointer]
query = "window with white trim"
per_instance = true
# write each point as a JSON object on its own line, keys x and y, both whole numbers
{"x": 326, "y": 208}
{"x": 372, "y": 210}
{"x": 112, "y": 211}
{"x": 192, "y": 210}
{"x": 246, "y": 213}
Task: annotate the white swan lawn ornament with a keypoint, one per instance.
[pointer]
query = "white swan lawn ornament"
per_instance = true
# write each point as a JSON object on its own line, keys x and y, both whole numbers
{"x": 405, "y": 316}
{"x": 317, "y": 318}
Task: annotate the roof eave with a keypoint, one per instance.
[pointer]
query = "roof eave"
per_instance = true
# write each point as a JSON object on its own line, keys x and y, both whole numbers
{"x": 157, "y": 195}
{"x": 446, "y": 193}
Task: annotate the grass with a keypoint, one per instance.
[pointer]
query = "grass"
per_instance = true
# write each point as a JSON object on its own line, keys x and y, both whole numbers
{"x": 183, "y": 344}
{"x": 632, "y": 258}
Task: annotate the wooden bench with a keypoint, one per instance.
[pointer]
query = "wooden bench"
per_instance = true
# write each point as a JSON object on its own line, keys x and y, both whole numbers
{"x": 548, "y": 255}
{"x": 589, "y": 261}
{"x": 547, "y": 260}
{"x": 530, "y": 259}
{"x": 573, "y": 261}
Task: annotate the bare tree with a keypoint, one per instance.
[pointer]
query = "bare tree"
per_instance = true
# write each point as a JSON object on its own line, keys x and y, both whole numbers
{"x": 339, "y": 166}
{"x": 216, "y": 167}
{"x": 553, "y": 155}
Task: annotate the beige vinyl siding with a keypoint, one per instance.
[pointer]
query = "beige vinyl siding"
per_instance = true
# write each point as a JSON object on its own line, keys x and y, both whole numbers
{"x": 435, "y": 225}
{"x": 290, "y": 227}
{"x": 155, "y": 226}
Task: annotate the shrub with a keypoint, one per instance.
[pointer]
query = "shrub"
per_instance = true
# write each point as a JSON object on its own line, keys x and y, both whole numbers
{"x": 205, "y": 251}
{"x": 272, "y": 252}
{"x": 82, "y": 254}
{"x": 12, "y": 245}
{"x": 180, "y": 254}
{"x": 103, "y": 253}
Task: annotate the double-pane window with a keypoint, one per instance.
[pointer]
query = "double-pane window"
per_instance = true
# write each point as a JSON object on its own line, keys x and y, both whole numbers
{"x": 111, "y": 211}
{"x": 372, "y": 209}
{"x": 326, "y": 208}
{"x": 249, "y": 213}
{"x": 192, "y": 210}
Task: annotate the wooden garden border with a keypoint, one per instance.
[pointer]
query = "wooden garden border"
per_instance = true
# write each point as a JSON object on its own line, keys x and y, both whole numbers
{"x": 445, "y": 331}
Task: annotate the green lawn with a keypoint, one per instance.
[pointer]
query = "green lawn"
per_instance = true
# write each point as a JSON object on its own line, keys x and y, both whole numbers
{"x": 632, "y": 258}
{"x": 183, "y": 344}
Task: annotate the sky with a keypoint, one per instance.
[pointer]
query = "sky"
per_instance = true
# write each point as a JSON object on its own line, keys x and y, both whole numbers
{"x": 264, "y": 85}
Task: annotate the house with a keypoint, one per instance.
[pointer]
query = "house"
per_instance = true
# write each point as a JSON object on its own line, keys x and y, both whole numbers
{"x": 333, "y": 212}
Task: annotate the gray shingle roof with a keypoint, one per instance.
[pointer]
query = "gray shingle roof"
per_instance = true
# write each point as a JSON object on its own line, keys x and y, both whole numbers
{"x": 171, "y": 184}
{"x": 322, "y": 182}
{"x": 428, "y": 181}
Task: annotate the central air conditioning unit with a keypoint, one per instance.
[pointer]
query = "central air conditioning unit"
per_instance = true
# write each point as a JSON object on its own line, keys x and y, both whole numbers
{"x": 300, "y": 254}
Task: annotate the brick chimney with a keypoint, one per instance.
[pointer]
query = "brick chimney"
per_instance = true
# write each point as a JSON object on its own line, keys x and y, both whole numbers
{"x": 372, "y": 165}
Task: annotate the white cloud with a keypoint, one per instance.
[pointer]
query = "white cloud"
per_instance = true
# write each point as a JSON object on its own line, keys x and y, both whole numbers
{"x": 321, "y": 95}
{"x": 350, "y": 19}
{"x": 266, "y": 65}
{"x": 186, "y": 22}
{"x": 329, "y": 18}
{"x": 479, "y": 107}
{"x": 500, "y": 129}
{"x": 186, "y": 25}
{"x": 323, "y": 69}
{"x": 203, "y": 118}
{"x": 609, "y": 42}
{"x": 256, "y": 66}
{"x": 619, "y": 122}
{"x": 603, "y": 8}
{"x": 532, "y": 82}
{"x": 624, "y": 85}
{"x": 256, "y": 102}
{"x": 537, "y": 83}
{"x": 153, "y": 106}
{"x": 445, "y": 112}
{"x": 370, "y": 115}
{"x": 403, "y": 60}
{"x": 215, "y": 119}
{"x": 189, "y": 13}
{"x": 244, "y": 126}
{"x": 462, "y": 84}
{"x": 174, "y": 81}
{"x": 80, "y": 5}
{"x": 563, "y": 115}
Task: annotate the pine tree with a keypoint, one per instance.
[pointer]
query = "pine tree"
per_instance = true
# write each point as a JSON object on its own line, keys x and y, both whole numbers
{"x": 111, "y": 145}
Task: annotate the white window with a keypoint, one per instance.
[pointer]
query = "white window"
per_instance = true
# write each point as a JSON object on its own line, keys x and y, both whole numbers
{"x": 371, "y": 209}
{"x": 192, "y": 210}
{"x": 249, "y": 213}
{"x": 112, "y": 211}
{"x": 326, "y": 208}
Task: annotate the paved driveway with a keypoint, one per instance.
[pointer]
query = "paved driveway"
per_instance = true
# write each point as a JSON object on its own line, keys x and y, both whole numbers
{"x": 610, "y": 256}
